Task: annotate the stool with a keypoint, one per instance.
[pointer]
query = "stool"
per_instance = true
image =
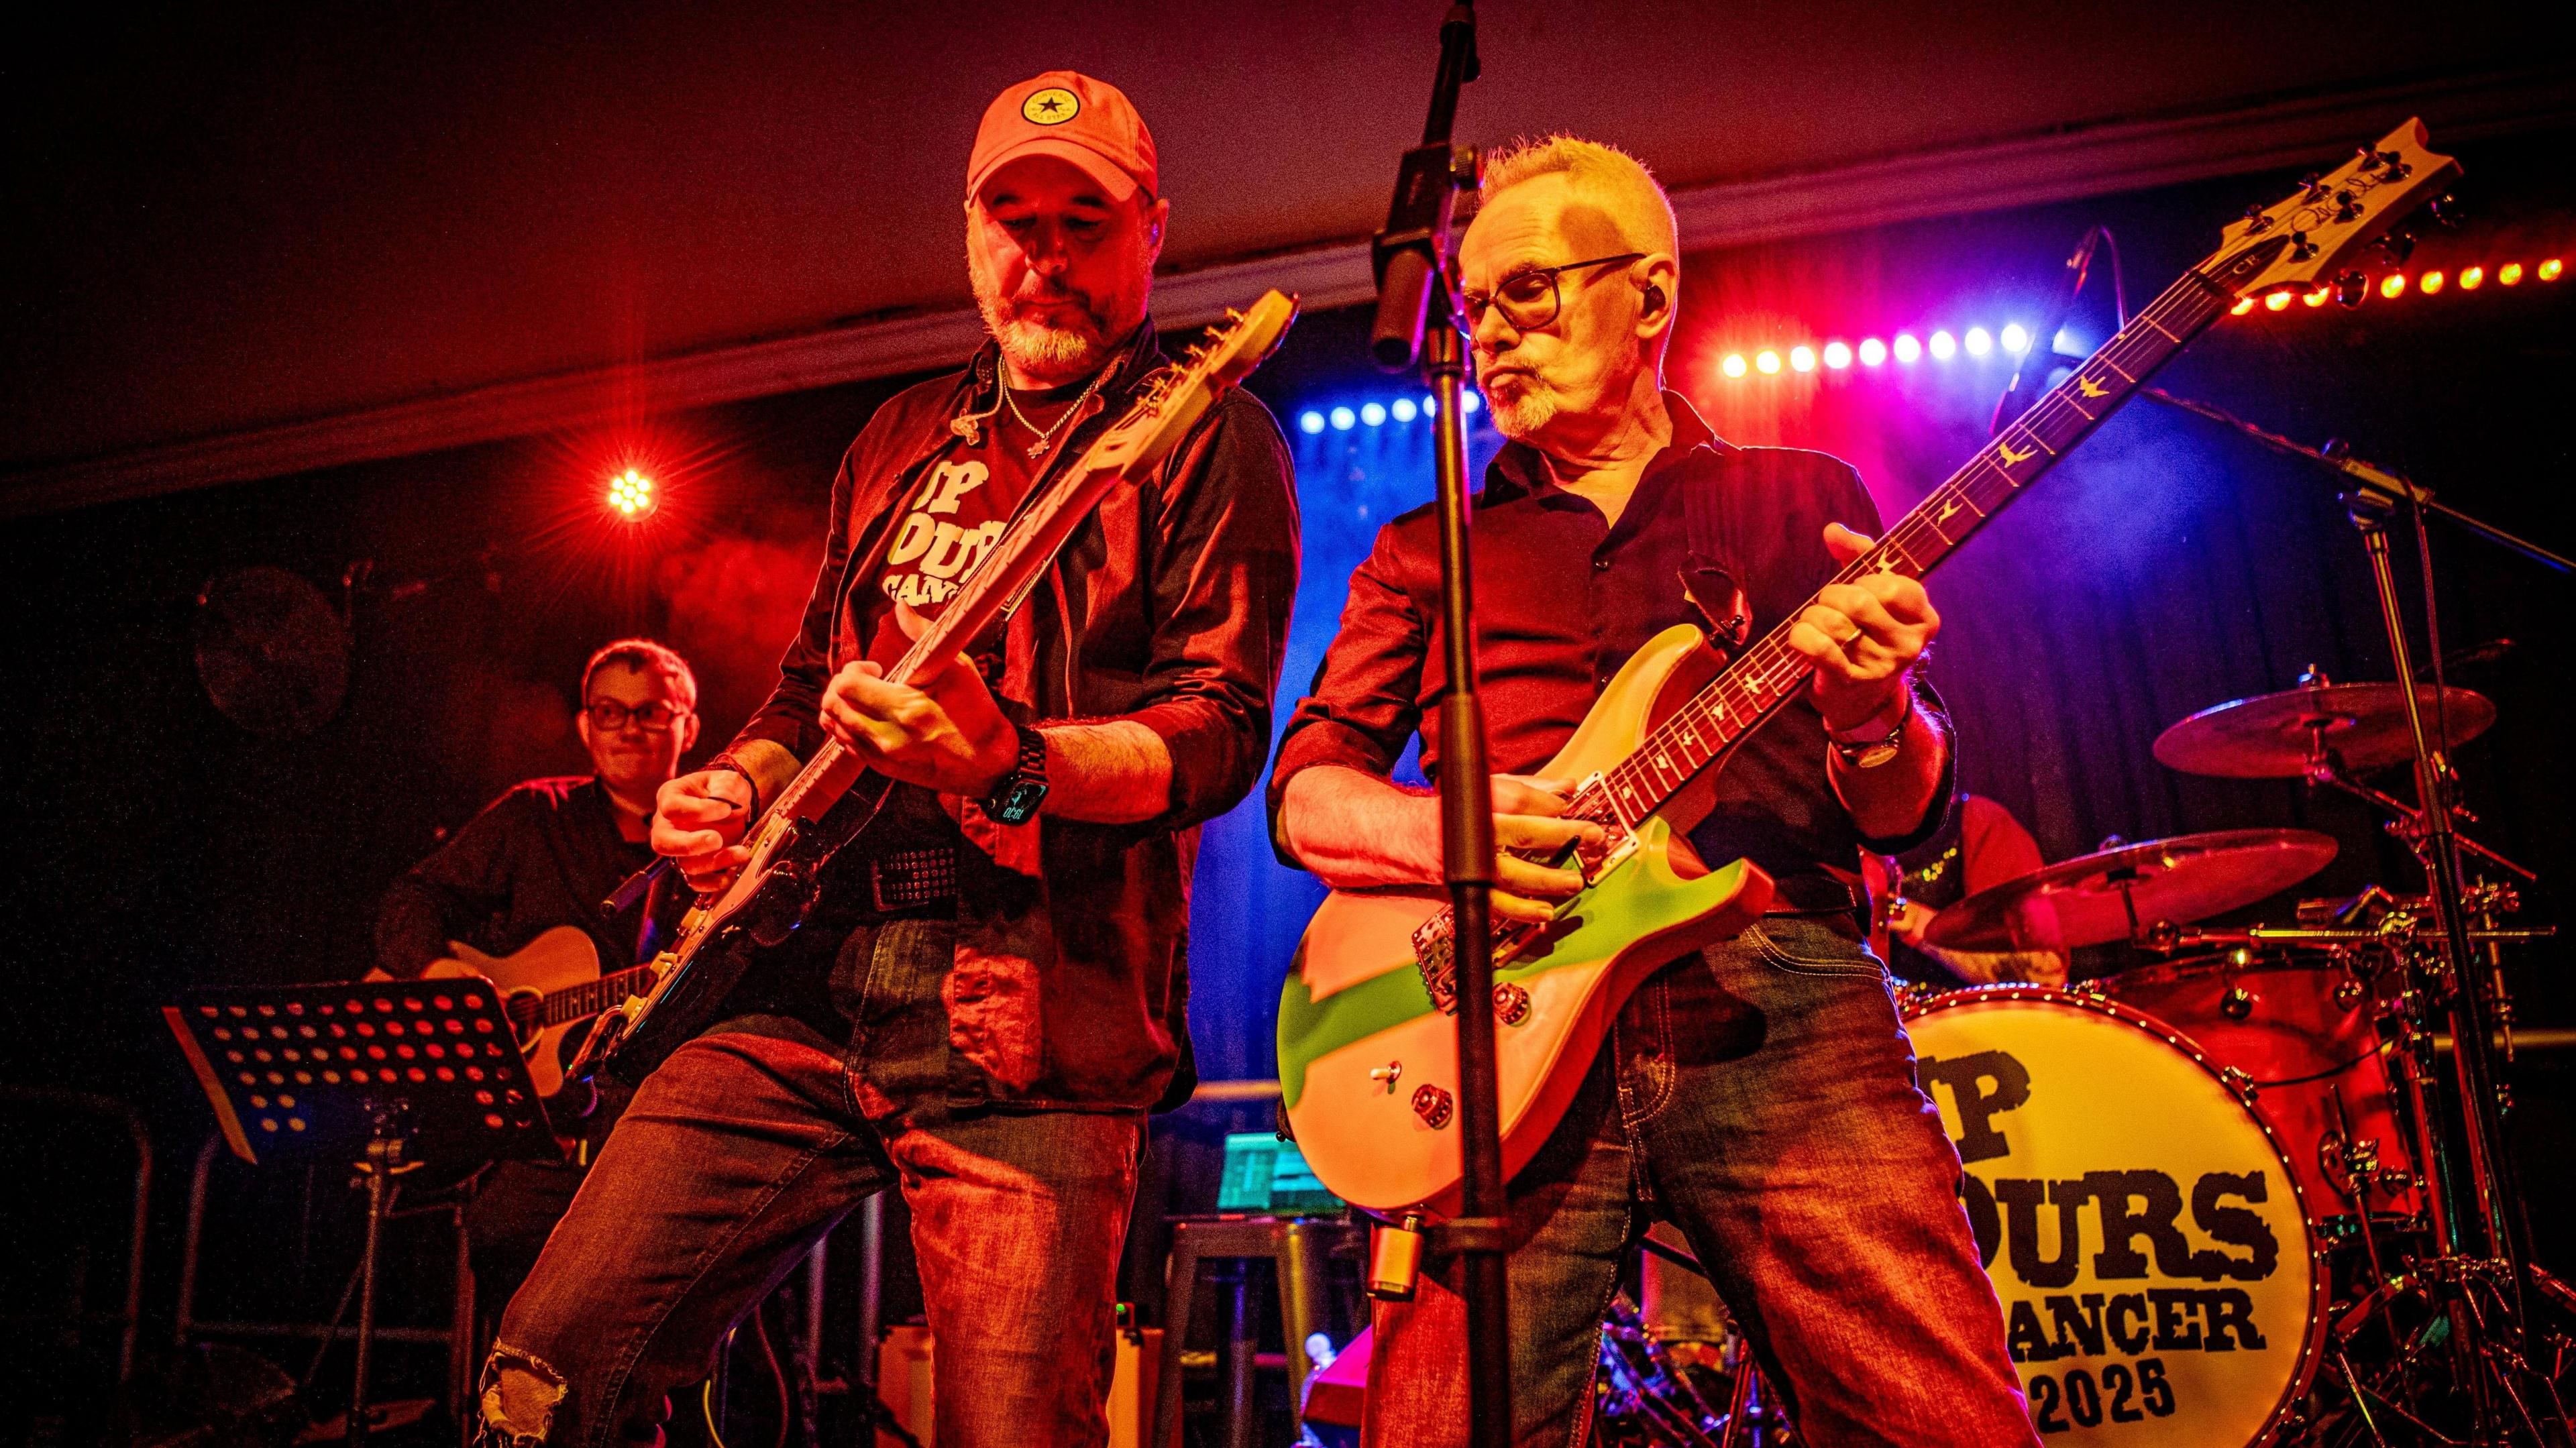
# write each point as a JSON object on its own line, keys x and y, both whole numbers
{"x": 1300, "y": 1246}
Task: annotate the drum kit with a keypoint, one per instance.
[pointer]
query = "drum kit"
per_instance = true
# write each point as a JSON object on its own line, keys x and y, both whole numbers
{"x": 2232, "y": 1196}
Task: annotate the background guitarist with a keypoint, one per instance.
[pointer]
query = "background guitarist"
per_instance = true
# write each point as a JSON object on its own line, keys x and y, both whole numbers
{"x": 1763, "y": 1095}
{"x": 989, "y": 993}
{"x": 543, "y": 856}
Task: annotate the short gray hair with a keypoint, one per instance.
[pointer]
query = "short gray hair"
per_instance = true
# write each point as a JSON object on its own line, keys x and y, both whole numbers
{"x": 1611, "y": 178}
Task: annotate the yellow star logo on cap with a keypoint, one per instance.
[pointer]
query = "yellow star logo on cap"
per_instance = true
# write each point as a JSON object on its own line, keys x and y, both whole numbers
{"x": 1051, "y": 107}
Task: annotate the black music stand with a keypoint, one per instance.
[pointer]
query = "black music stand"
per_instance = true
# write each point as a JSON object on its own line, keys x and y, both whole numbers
{"x": 379, "y": 1074}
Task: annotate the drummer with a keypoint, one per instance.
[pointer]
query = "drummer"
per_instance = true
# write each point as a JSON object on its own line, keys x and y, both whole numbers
{"x": 1980, "y": 845}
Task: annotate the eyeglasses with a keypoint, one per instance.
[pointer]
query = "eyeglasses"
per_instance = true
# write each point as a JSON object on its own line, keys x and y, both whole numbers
{"x": 652, "y": 714}
{"x": 1529, "y": 299}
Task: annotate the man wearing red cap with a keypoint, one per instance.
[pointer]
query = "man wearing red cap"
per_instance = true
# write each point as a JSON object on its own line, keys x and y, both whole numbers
{"x": 988, "y": 995}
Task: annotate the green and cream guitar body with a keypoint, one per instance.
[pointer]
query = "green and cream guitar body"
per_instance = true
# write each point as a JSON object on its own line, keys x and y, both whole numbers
{"x": 1368, "y": 1066}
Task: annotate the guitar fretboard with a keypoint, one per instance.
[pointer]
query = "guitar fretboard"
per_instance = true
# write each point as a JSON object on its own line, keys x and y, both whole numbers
{"x": 576, "y": 1002}
{"x": 1769, "y": 673}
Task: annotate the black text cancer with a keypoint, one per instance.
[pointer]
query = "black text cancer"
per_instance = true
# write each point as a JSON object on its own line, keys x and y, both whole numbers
{"x": 2154, "y": 1319}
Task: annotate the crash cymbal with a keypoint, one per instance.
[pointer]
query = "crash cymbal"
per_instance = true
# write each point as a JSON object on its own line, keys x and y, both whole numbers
{"x": 2117, "y": 894}
{"x": 2274, "y": 736}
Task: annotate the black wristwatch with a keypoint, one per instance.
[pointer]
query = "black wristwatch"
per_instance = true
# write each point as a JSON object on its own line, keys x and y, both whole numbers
{"x": 1015, "y": 800}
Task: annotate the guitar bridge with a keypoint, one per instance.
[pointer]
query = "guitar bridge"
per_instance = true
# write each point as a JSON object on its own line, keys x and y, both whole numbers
{"x": 1435, "y": 955}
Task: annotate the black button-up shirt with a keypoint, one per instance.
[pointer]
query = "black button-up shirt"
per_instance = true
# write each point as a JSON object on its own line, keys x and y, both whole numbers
{"x": 1564, "y": 597}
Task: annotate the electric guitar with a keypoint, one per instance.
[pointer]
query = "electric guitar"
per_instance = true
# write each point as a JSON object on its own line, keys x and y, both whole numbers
{"x": 1367, "y": 1059}
{"x": 832, "y": 798}
{"x": 547, "y": 986}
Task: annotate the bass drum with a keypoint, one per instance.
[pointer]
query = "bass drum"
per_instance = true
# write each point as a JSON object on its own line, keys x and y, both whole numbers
{"x": 2143, "y": 1229}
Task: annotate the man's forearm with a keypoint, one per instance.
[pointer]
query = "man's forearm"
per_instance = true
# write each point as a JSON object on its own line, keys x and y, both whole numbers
{"x": 1354, "y": 829}
{"x": 1892, "y": 799}
{"x": 1113, "y": 773}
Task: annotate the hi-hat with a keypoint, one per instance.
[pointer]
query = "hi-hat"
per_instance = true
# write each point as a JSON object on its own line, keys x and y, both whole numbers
{"x": 2279, "y": 736}
{"x": 2123, "y": 893}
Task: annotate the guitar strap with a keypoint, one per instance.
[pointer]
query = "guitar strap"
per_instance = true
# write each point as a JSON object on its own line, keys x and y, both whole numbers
{"x": 1707, "y": 582}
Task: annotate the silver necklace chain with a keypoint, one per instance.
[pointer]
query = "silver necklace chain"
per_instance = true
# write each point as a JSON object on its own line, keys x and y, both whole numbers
{"x": 1046, "y": 436}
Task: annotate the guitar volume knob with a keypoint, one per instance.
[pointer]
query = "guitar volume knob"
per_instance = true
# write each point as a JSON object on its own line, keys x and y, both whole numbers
{"x": 1433, "y": 1105}
{"x": 1511, "y": 1003}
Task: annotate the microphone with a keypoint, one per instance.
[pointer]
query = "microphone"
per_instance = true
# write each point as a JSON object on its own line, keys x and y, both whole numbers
{"x": 2043, "y": 343}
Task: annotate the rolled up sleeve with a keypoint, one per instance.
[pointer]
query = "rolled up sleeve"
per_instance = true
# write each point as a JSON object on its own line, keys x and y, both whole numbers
{"x": 1364, "y": 702}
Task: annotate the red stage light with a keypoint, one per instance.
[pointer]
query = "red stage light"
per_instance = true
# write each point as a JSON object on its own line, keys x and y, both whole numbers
{"x": 2510, "y": 274}
{"x": 1733, "y": 366}
{"x": 630, "y": 494}
{"x": 2241, "y": 308}
{"x": 2471, "y": 278}
{"x": 2318, "y": 297}
{"x": 1767, "y": 360}
{"x": 2550, "y": 269}
{"x": 2276, "y": 301}
{"x": 2431, "y": 283}
{"x": 2394, "y": 286}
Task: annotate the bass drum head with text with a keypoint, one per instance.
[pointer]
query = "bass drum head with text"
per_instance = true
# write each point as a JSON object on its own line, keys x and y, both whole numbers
{"x": 2143, "y": 1230}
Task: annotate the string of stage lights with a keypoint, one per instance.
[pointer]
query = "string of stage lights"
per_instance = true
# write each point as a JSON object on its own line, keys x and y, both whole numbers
{"x": 1906, "y": 349}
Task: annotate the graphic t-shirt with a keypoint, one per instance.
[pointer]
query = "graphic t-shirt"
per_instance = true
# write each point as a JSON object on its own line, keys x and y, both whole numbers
{"x": 957, "y": 515}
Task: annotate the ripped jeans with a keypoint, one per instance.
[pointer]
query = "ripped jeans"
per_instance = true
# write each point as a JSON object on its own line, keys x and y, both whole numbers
{"x": 1762, "y": 1096}
{"x": 746, "y": 1146}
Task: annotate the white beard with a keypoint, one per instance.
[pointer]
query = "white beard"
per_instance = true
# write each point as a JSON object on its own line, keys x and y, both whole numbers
{"x": 1034, "y": 347}
{"x": 1530, "y": 410}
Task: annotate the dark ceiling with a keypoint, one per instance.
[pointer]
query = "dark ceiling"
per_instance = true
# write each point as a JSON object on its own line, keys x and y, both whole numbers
{"x": 248, "y": 215}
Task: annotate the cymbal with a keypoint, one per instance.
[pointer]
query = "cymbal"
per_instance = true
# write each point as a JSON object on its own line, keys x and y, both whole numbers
{"x": 2272, "y": 736}
{"x": 2116, "y": 894}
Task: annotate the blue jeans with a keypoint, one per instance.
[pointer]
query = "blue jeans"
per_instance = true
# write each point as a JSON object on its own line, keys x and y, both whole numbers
{"x": 748, "y": 1144}
{"x": 1762, "y": 1096}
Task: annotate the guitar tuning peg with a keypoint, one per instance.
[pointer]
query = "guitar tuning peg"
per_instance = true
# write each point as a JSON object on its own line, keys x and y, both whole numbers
{"x": 2256, "y": 220}
{"x": 2397, "y": 246}
{"x": 2313, "y": 184}
{"x": 2447, "y": 211}
{"x": 2350, "y": 288}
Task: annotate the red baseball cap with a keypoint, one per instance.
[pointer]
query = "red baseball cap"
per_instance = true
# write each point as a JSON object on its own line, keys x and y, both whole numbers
{"x": 1073, "y": 118}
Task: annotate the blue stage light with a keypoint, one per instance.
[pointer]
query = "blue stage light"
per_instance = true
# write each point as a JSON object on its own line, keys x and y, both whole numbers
{"x": 1343, "y": 419}
{"x": 1310, "y": 421}
{"x": 2016, "y": 338}
{"x": 1404, "y": 410}
{"x": 1944, "y": 346}
{"x": 1470, "y": 404}
{"x": 1372, "y": 413}
{"x": 1979, "y": 341}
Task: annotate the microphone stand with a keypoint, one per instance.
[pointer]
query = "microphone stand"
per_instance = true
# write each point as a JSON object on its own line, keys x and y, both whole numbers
{"x": 1414, "y": 308}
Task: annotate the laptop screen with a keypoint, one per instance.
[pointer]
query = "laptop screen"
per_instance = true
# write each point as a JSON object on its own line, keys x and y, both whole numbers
{"x": 1265, "y": 1174}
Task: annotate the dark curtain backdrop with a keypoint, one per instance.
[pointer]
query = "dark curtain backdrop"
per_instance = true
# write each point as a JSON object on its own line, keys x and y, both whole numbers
{"x": 2166, "y": 568}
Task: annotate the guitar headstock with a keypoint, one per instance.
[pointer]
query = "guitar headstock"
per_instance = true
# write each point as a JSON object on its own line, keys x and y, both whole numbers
{"x": 1181, "y": 395}
{"x": 2306, "y": 237}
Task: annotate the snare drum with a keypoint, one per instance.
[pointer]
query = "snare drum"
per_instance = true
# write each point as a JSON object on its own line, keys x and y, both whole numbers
{"x": 2141, "y": 1224}
{"x": 2304, "y": 1035}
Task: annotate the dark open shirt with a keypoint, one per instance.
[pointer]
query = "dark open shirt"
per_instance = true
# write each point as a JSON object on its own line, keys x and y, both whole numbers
{"x": 542, "y": 855}
{"x": 1563, "y": 598}
{"x": 1168, "y": 606}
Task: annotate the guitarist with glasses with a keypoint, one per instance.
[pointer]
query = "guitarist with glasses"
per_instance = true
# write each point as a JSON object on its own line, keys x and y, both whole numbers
{"x": 1760, "y": 1093}
{"x": 524, "y": 879}
{"x": 988, "y": 992}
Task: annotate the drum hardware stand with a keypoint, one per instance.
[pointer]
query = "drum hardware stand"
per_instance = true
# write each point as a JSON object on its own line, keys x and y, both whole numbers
{"x": 2480, "y": 1244}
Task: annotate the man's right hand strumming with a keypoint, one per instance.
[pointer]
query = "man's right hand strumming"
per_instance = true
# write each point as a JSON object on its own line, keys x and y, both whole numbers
{"x": 699, "y": 820}
{"x": 1355, "y": 829}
